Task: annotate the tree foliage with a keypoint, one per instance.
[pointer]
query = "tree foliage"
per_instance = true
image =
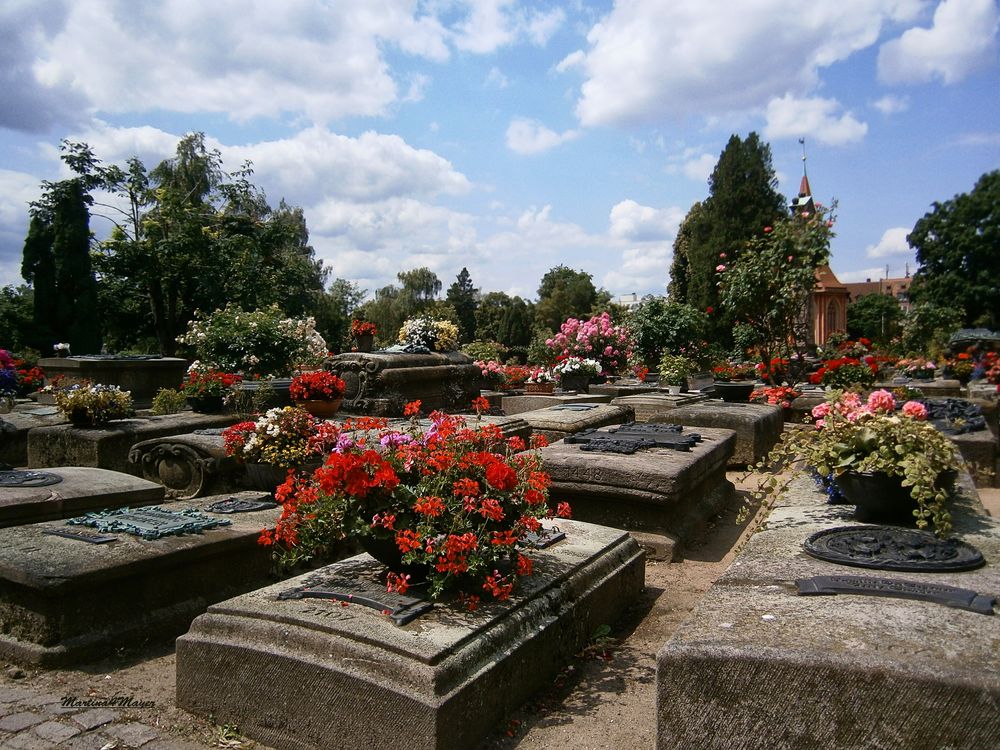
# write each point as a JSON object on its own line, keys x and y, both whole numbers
{"x": 743, "y": 199}
{"x": 393, "y": 304}
{"x": 334, "y": 311}
{"x": 464, "y": 297}
{"x": 874, "y": 316}
{"x": 564, "y": 293}
{"x": 768, "y": 287}
{"x": 660, "y": 327}
{"x": 56, "y": 262}
{"x": 958, "y": 252}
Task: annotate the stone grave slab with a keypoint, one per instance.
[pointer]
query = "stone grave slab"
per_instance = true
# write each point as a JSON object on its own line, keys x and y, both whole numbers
{"x": 313, "y": 673}
{"x": 79, "y": 490}
{"x": 509, "y": 426}
{"x": 556, "y": 422}
{"x": 979, "y": 449}
{"x": 108, "y": 447}
{"x": 14, "y": 429}
{"x": 660, "y": 494}
{"x": 980, "y": 390}
{"x": 757, "y": 426}
{"x": 75, "y": 594}
{"x": 382, "y": 383}
{"x": 143, "y": 376}
{"x": 646, "y": 405}
{"x": 623, "y": 387}
{"x": 757, "y": 666}
{"x": 518, "y": 404}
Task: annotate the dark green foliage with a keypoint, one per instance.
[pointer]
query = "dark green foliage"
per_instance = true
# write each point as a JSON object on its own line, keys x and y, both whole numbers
{"x": 464, "y": 297}
{"x": 659, "y": 326}
{"x": 875, "y": 317}
{"x": 334, "y": 310}
{"x": 743, "y": 199}
{"x": 489, "y": 315}
{"x": 927, "y": 328}
{"x": 393, "y": 305}
{"x": 38, "y": 268}
{"x": 16, "y": 318}
{"x": 516, "y": 324}
{"x": 564, "y": 293}
{"x": 958, "y": 251}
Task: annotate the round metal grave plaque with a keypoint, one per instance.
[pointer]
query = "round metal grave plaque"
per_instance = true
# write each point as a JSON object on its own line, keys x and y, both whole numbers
{"x": 20, "y": 478}
{"x": 892, "y": 548}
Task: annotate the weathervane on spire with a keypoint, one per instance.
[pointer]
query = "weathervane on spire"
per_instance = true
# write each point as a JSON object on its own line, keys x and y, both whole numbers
{"x": 802, "y": 142}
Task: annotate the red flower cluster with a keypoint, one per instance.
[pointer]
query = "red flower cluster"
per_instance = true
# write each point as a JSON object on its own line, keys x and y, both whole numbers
{"x": 202, "y": 383}
{"x": 320, "y": 385}
{"x": 454, "y": 500}
{"x": 362, "y": 328}
{"x": 845, "y": 371}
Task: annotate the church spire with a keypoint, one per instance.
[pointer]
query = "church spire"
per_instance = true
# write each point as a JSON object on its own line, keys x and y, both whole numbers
{"x": 804, "y": 201}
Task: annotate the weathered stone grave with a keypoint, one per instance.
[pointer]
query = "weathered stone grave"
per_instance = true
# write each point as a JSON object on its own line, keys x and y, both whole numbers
{"x": 142, "y": 375}
{"x": 646, "y": 405}
{"x": 623, "y": 387}
{"x": 382, "y": 383}
{"x": 758, "y": 426}
{"x": 518, "y": 404}
{"x": 313, "y": 673}
{"x": 189, "y": 465}
{"x": 556, "y": 422}
{"x": 509, "y": 426}
{"x": 69, "y": 592}
{"x": 758, "y": 667}
{"x": 29, "y": 496}
{"x": 108, "y": 447}
{"x": 14, "y": 428}
{"x": 659, "y": 493}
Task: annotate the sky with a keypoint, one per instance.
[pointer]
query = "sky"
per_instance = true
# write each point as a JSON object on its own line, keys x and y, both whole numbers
{"x": 509, "y": 137}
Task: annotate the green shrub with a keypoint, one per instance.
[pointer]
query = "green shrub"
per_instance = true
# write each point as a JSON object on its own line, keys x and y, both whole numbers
{"x": 168, "y": 401}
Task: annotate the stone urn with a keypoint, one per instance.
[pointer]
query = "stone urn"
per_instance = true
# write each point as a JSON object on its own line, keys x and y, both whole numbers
{"x": 737, "y": 391}
{"x": 365, "y": 342}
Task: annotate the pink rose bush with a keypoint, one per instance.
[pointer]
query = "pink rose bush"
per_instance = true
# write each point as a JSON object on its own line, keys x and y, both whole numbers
{"x": 597, "y": 338}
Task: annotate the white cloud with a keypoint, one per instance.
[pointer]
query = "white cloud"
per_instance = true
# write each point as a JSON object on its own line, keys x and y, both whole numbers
{"x": 526, "y": 136}
{"x": 893, "y": 242}
{"x": 694, "y": 164}
{"x": 633, "y": 222}
{"x": 17, "y": 189}
{"x": 978, "y": 139}
{"x": 573, "y": 60}
{"x": 873, "y": 274}
{"x": 961, "y": 39}
{"x": 891, "y": 105}
{"x": 643, "y": 270}
{"x": 496, "y": 78}
{"x": 789, "y": 117}
{"x": 491, "y": 24}
{"x": 649, "y": 60}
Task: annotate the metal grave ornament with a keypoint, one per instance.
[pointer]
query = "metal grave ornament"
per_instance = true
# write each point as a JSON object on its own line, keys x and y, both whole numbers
{"x": 544, "y": 537}
{"x": 892, "y": 548}
{"x": 239, "y": 505}
{"x": 21, "y": 478}
{"x": 149, "y": 523}
{"x": 573, "y": 407}
{"x": 350, "y": 585}
{"x": 83, "y": 535}
{"x": 211, "y": 431}
{"x": 949, "y": 596}
{"x": 631, "y": 437}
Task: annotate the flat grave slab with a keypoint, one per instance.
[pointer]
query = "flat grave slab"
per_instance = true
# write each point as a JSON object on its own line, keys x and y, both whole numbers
{"x": 647, "y": 405}
{"x": 66, "y": 598}
{"x": 757, "y": 666}
{"x": 660, "y": 494}
{"x": 313, "y": 673}
{"x": 79, "y": 490}
{"x": 622, "y": 387}
{"x": 509, "y": 426}
{"x": 758, "y": 426}
{"x": 556, "y": 422}
{"x": 108, "y": 447}
{"x": 535, "y": 401}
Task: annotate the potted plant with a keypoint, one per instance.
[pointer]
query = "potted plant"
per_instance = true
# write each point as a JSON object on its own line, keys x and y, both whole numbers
{"x": 734, "y": 380}
{"x": 279, "y": 440}
{"x": 917, "y": 368}
{"x": 540, "y": 380}
{"x": 450, "y": 505}
{"x": 320, "y": 393}
{"x": 846, "y": 372}
{"x": 960, "y": 367}
{"x": 779, "y": 395}
{"x": 891, "y": 463}
{"x": 94, "y": 404}
{"x": 596, "y": 338}
{"x": 206, "y": 390}
{"x": 674, "y": 370}
{"x": 576, "y": 373}
{"x": 363, "y": 334}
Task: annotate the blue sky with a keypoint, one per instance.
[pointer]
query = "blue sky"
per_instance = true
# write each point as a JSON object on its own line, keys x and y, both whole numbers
{"x": 510, "y": 137}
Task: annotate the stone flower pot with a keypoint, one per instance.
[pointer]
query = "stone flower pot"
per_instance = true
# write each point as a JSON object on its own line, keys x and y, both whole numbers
{"x": 321, "y": 409}
{"x": 737, "y": 391}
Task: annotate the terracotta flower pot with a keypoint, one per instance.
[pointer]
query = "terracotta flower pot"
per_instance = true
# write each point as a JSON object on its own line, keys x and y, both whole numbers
{"x": 321, "y": 409}
{"x": 539, "y": 387}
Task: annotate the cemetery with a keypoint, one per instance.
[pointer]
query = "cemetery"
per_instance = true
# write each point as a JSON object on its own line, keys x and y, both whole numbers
{"x": 732, "y": 525}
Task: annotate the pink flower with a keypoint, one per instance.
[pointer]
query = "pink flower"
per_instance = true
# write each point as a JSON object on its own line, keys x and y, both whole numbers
{"x": 720, "y": 268}
{"x": 768, "y": 230}
{"x": 881, "y": 401}
{"x": 791, "y": 258}
{"x": 722, "y": 255}
{"x": 915, "y": 410}
{"x": 820, "y": 410}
